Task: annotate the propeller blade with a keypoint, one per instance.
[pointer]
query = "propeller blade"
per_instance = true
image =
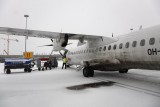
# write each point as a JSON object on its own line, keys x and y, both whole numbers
{"x": 46, "y": 45}
{"x": 52, "y": 40}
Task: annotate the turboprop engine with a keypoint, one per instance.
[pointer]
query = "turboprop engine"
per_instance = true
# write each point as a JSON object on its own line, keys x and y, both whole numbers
{"x": 60, "y": 42}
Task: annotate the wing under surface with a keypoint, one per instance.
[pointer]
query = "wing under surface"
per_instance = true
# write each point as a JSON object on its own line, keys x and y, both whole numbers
{"x": 48, "y": 34}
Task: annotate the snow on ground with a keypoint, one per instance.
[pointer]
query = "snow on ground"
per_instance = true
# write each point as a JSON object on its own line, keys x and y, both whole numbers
{"x": 48, "y": 89}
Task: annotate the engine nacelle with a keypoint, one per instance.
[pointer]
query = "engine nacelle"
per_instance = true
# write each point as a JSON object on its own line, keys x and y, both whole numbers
{"x": 60, "y": 42}
{"x": 65, "y": 42}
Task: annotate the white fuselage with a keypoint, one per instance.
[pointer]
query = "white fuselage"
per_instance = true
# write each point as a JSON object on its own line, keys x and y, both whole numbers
{"x": 142, "y": 52}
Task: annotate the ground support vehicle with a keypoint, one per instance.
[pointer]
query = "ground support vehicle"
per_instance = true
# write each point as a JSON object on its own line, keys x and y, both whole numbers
{"x": 44, "y": 63}
{"x": 17, "y": 63}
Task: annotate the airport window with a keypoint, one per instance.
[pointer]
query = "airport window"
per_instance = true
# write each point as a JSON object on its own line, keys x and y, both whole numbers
{"x": 100, "y": 48}
{"x": 114, "y": 47}
{"x": 127, "y": 45}
{"x": 142, "y": 43}
{"x": 151, "y": 41}
{"x": 109, "y": 47}
{"x": 104, "y": 48}
{"x": 120, "y": 46}
{"x": 134, "y": 43}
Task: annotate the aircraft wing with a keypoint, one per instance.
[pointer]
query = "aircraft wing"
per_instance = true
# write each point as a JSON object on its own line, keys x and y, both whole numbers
{"x": 48, "y": 34}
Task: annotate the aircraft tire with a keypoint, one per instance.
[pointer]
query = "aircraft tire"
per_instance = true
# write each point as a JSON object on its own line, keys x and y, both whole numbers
{"x": 91, "y": 72}
{"x": 86, "y": 72}
{"x": 8, "y": 71}
{"x": 123, "y": 71}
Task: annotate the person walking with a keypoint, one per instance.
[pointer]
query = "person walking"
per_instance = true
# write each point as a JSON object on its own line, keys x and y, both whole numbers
{"x": 64, "y": 62}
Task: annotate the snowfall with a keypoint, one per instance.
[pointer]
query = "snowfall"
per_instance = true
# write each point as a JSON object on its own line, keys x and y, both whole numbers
{"x": 50, "y": 88}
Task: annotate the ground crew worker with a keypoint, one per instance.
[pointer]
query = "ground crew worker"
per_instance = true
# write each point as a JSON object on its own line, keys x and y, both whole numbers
{"x": 64, "y": 62}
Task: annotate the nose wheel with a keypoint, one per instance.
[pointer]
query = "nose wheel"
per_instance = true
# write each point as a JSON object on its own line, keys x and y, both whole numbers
{"x": 88, "y": 72}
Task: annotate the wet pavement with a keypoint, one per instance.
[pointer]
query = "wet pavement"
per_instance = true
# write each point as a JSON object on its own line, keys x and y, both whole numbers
{"x": 91, "y": 85}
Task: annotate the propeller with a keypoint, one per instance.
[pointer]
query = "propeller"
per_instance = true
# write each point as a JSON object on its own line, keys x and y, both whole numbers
{"x": 46, "y": 45}
{"x": 65, "y": 40}
{"x": 64, "y": 53}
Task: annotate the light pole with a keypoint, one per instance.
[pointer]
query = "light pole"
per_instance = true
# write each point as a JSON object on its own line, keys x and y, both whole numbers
{"x": 26, "y": 16}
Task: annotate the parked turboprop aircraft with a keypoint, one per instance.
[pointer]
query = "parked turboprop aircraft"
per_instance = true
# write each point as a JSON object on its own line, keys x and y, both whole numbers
{"x": 136, "y": 50}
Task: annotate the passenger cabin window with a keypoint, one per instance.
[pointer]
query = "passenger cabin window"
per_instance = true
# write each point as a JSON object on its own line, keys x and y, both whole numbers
{"x": 127, "y": 45}
{"x": 114, "y": 47}
{"x": 109, "y": 47}
{"x": 151, "y": 41}
{"x": 87, "y": 51}
{"x": 104, "y": 48}
{"x": 96, "y": 50}
{"x": 100, "y": 48}
{"x": 142, "y": 43}
{"x": 134, "y": 43}
{"x": 120, "y": 46}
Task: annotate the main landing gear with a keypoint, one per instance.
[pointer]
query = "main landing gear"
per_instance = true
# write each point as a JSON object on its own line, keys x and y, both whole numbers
{"x": 88, "y": 71}
{"x": 123, "y": 71}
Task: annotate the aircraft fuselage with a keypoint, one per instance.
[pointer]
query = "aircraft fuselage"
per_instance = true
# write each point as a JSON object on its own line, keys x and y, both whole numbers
{"x": 136, "y": 50}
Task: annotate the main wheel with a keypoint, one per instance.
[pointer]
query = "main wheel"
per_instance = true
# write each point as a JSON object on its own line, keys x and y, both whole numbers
{"x": 91, "y": 72}
{"x": 88, "y": 72}
{"x": 123, "y": 71}
{"x": 8, "y": 71}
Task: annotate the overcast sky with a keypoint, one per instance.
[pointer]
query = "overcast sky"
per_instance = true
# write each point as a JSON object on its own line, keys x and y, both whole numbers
{"x": 96, "y": 17}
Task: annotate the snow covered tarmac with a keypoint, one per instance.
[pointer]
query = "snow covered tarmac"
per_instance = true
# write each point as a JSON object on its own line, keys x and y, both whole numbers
{"x": 49, "y": 89}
